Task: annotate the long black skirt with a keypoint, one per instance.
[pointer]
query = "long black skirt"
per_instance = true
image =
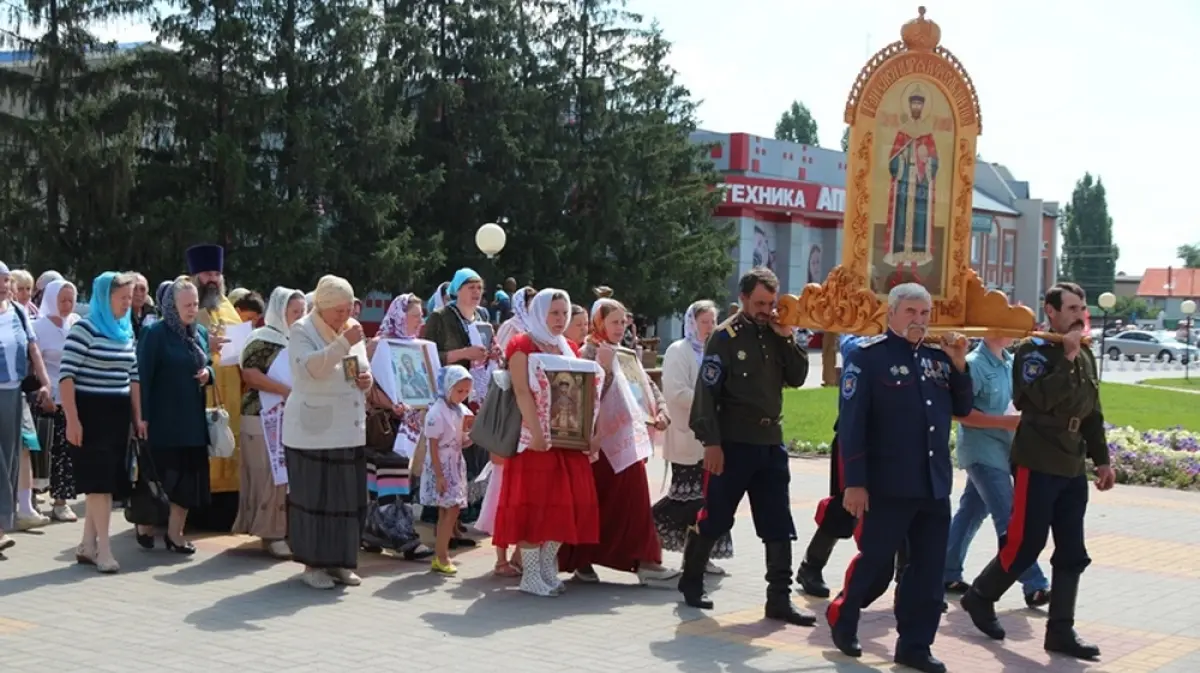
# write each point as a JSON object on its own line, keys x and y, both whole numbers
{"x": 327, "y": 505}
{"x": 680, "y": 507}
{"x": 103, "y": 464}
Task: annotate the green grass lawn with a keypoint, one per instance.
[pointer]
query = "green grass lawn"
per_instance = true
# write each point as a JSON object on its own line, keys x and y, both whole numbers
{"x": 1188, "y": 384}
{"x": 808, "y": 415}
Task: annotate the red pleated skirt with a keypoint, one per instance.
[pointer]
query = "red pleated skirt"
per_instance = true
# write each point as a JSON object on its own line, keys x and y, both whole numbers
{"x": 547, "y": 496}
{"x": 628, "y": 536}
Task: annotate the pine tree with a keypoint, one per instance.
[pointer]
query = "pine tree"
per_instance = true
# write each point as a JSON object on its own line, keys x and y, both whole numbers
{"x": 1089, "y": 257}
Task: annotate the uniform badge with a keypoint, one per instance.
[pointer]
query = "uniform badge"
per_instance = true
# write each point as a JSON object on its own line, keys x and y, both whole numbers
{"x": 895, "y": 371}
{"x": 1033, "y": 367}
{"x": 903, "y": 370}
{"x": 741, "y": 355}
{"x": 849, "y": 384}
{"x": 711, "y": 370}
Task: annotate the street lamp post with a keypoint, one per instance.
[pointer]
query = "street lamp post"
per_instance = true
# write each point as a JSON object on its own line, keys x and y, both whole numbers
{"x": 490, "y": 239}
{"x": 1188, "y": 307}
{"x": 1106, "y": 301}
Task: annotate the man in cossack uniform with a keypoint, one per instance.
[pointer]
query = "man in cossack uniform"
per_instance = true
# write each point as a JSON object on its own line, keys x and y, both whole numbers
{"x": 736, "y": 414}
{"x": 899, "y": 396}
{"x": 834, "y": 523}
{"x": 1057, "y": 391}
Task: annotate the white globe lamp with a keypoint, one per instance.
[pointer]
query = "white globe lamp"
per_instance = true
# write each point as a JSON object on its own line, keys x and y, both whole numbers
{"x": 1107, "y": 301}
{"x": 490, "y": 239}
{"x": 1188, "y": 307}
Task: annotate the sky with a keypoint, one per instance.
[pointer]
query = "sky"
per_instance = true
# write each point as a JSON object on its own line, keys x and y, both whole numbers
{"x": 1065, "y": 87}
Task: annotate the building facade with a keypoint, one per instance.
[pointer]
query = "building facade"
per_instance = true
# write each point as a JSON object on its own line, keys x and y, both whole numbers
{"x": 786, "y": 202}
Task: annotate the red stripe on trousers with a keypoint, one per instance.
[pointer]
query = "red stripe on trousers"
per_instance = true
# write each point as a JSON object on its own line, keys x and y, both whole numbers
{"x": 822, "y": 508}
{"x": 1016, "y": 524}
{"x": 841, "y": 468}
{"x": 703, "y": 514}
{"x": 834, "y": 611}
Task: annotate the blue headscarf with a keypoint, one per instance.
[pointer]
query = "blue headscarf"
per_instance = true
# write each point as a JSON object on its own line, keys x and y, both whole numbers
{"x": 100, "y": 310}
{"x": 461, "y": 278}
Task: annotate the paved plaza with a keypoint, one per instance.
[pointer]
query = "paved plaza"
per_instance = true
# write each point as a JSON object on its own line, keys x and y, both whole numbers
{"x": 229, "y": 608}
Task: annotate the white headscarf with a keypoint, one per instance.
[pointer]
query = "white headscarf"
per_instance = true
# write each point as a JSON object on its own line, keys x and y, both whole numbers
{"x": 449, "y": 377}
{"x": 690, "y": 330}
{"x": 539, "y": 313}
{"x": 275, "y": 327}
{"x": 437, "y": 300}
{"x": 45, "y": 279}
{"x": 49, "y": 307}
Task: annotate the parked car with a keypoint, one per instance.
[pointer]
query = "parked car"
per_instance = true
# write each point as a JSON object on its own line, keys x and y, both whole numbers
{"x": 1160, "y": 346}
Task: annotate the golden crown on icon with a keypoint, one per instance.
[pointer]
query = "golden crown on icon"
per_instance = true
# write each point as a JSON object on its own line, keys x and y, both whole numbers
{"x": 920, "y": 34}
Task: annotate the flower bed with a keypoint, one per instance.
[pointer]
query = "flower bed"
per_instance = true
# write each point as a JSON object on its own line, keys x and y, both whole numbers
{"x": 1163, "y": 458}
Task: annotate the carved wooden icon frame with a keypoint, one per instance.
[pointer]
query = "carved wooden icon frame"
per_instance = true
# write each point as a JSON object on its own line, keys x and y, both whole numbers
{"x": 851, "y": 300}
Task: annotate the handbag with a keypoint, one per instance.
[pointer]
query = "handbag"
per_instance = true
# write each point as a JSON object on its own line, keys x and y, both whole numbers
{"x": 148, "y": 505}
{"x": 380, "y": 434}
{"x": 497, "y": 426}
{"x": 220, "y": 437}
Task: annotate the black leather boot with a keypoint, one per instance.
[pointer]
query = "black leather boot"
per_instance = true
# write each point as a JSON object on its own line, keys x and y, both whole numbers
{"x": 809, "y": 576}
{"x": 1060, "y": 627}
{"x": 695, "y": 559}
{"x": 779, "y": 586}
{"x": 923, "y": 661}
{"x": 980, "y": 600}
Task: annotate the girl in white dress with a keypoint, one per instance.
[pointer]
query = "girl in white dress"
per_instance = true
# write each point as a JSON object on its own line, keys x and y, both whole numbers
{"x": 446, "y": 437}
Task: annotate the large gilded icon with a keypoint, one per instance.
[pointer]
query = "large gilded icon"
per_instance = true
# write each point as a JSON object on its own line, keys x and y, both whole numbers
{"x": 914, "y": 119}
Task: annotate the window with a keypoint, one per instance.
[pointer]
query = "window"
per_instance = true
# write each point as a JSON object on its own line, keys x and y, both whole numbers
{"x": 975, "y": 249}
{"x": 992, "y": 245}
{"x": 1010, "y": 248}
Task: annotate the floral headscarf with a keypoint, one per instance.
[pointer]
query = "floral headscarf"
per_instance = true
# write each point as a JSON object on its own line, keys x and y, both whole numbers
{"x": 449, "y": 377}
{"x": 188, "y": 333}
{"x": 520, "y": 308}
{"x": 395, "y": 323}
{"x": 691, "y": 331}
{"x": 597, "y": 330}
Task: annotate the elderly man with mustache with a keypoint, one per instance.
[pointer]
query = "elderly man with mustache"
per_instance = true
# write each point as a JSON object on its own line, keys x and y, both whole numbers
{"x": 898, "y": 398}
{"x": 206, "y": 266}
{"x": 1057, "y": 391}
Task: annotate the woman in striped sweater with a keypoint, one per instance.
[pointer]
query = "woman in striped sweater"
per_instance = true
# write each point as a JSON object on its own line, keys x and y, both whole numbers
{"x": 98, "y": 384}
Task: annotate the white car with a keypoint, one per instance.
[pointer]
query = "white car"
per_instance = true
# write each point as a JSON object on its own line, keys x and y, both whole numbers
{"x": 1160, "y": 346}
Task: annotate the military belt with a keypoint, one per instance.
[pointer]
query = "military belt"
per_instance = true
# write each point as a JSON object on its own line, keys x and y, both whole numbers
{"x": 1053, "y": 422}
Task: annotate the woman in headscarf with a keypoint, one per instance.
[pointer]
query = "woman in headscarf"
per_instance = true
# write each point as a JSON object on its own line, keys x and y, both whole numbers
{"x": 57, "y": 318}
{"x": 101, "y": 397}
{"x": 262, "y": 505}
{"x": 549, "y": 495}
{"x": 389, "y": 517}
{"x": 456, "y": 331}
{"x": 517, "y": 324}
{"x": 174, "y": 368}
{"x": 628, "y": 539}
{"x": 324, "y": 435}
{"x": 440, "y": 298}
{"x": 678, "y": 509}
{"x": 43, "y": 281}
{"x": 159, "y": 292}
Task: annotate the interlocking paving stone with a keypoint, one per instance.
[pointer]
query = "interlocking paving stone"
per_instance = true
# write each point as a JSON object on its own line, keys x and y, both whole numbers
{"x": 230, "y": 608}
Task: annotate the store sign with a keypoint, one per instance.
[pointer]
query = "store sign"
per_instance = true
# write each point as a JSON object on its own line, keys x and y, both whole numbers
{"x": 981, "y": 223}
{"x": 784, "y": 195}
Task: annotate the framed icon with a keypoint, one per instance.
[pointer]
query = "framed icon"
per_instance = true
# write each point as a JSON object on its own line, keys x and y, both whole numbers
{"x": 487, "y": 334}
{"x": 639, "y": 383}
{"x": 416, "y": 385}
{"x": 572, "y": 403}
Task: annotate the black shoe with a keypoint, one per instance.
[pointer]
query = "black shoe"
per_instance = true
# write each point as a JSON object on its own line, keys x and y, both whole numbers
{"x": 187, "y": 548}
{"x": 957, "y": 587}
{"x": 144, "y": 541}
{"x": 921, "y": 661}
{"x": 983, "y": 614}
{"x": 1060, "y": 625}
{"x": 811, "y": 581}
{"x": 1066, "y": 641}
{"x": 1038, "y": 598}
{"x": 463, "y": 543}
{"x": 945, "y": 607}
{"x": 847, "y": 643}
{"x": 779, "y": 586}
{"x": 696, "y": 552}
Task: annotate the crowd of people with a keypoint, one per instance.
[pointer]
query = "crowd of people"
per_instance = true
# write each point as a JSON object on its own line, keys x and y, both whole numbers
{"x": 301, "y": 434}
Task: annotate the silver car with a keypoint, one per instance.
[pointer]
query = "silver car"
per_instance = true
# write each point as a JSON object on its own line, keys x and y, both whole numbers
{"x": 1137, "y": 343}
